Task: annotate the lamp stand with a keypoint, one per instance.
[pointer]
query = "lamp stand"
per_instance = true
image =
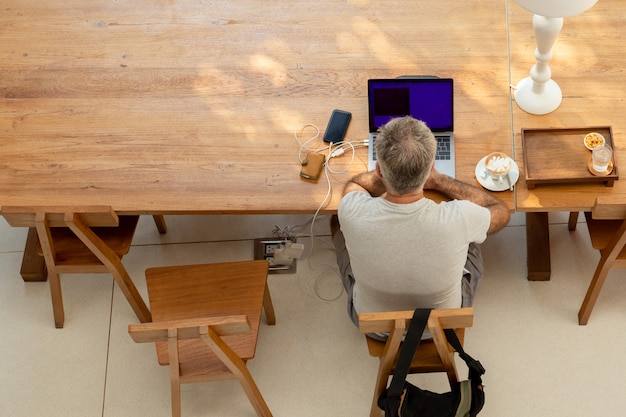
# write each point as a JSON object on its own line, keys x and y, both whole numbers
{"x": 539, "y": 94}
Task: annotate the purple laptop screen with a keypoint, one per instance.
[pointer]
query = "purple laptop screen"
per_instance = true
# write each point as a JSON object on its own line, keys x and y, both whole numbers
{"x": 426, "y": 99}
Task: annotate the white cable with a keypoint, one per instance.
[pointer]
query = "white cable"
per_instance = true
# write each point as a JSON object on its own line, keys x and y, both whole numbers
{"x": 324, "y": 202}
{"x": 305, "y": 145}
{"x": 339, "y": 149}
{"x": 316, "y": 284}
{"x": 302, "y": 128}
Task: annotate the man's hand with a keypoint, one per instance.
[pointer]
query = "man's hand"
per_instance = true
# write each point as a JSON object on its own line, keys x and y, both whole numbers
{"x": 368, "y": 182}
{"x": 433, "y": 179}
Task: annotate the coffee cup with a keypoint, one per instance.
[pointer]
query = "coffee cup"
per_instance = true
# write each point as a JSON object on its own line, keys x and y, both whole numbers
{"x": 498, "y": 165}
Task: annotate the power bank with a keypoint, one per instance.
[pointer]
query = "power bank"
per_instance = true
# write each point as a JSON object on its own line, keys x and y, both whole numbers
{"x": 312, "y": 166}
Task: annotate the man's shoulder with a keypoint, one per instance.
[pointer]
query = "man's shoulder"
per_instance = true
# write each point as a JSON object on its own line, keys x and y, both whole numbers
{"x": 354, "y": 196}
{"x": 356, "y": 205}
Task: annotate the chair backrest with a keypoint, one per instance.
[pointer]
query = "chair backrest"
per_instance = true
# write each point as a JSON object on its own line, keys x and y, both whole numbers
{"x": 209, "y": 330}
{"x": 396, "y": 324}
{"x": 448, "y": 318}
{"x": 609, "y": 208}
{"x": 606, "y": 223}
{"x": 57, "y": 216}
{"x": 186, "y": 329}
{"x": 85, "y": 244}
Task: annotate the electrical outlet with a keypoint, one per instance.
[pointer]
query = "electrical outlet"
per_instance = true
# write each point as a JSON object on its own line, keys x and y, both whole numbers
{"x": 271, "y": 247}
{"x": 266, "y": 248}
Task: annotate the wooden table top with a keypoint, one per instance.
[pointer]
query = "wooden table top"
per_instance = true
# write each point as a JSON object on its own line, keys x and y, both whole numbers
{"x": 588, "y": 64}
{"x": 191, "y": 107}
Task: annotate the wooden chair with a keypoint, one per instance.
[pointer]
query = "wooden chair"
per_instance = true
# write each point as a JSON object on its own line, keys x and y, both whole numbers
{"x": 433, "y": 355}
{"x": 73, "y": 240}
{"x": 607, "y": 229}
{"x": 206, "y": 322}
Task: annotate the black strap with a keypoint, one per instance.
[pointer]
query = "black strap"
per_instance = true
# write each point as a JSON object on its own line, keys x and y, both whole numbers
{"x": 472, "y": 363}
{"x": 411, "y": 342}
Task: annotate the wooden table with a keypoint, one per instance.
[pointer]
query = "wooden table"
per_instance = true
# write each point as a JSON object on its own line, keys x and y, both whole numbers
{"x": 187, "y": 107}
{"x": 588, "y": 64}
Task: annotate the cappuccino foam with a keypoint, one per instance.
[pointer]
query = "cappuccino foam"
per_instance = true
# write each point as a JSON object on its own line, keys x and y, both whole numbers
{"x": 498, "y": 164}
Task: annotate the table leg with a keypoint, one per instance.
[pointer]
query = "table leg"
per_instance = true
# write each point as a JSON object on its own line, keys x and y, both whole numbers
{"x": 159, "y": 220}
{"x": 538, "y": 246}
{"x": 33, "y": 265}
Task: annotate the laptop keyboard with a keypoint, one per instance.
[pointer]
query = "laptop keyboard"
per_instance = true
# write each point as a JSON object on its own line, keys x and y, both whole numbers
{"x": 443, "y": 153}
{"x": 443, "y": 148}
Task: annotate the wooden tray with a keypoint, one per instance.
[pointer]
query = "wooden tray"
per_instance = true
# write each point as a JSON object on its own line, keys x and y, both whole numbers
{"x": 558, "y": 156}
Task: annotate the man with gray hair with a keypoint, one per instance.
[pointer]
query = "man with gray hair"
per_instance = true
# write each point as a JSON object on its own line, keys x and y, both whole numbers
{"x": 396, "y": 248}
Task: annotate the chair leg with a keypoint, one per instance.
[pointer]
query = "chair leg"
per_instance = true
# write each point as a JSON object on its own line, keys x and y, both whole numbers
{"x": 268, "y": 306}
{"x": 573, "y": 219}
{"x": 593, "y": 291}
{"x": 239, "y": 369}
{"x": 176, "y": 409}
{"x": 253, "y": 393}
{"x": 172, "y": 348}
{"x": 45, "y": 239}
{"x": 159, "y": 220}
{"x": 381, "y": 383}
{"x": 130, "y": 292}
{"x": 57, "y": 299}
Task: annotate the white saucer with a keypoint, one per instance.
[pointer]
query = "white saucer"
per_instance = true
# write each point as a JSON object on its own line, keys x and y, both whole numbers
{"x": 488, "y": 182}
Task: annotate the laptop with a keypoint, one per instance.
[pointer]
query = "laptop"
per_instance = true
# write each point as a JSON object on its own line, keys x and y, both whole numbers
{"x": 429, "y": 99}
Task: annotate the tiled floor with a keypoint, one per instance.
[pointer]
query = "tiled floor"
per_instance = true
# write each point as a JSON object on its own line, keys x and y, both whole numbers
{"x": 313, "y": 362}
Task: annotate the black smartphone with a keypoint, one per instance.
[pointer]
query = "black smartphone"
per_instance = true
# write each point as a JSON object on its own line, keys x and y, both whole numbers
{"x": 337, "y": 126}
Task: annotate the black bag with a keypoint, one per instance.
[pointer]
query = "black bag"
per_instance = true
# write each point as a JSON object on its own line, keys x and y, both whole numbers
{"x": 403, "y": 399}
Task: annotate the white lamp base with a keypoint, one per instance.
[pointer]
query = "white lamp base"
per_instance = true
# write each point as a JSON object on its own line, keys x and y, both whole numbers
{"x": 538, "y": 103}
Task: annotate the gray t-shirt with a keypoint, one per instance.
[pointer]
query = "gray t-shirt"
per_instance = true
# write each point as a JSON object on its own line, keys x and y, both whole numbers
{"x": 405, "y": 256}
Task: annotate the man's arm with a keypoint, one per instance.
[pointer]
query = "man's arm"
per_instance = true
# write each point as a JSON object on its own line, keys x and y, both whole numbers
{"x": 368, "y": 182}
{"x": 454, "y": 189}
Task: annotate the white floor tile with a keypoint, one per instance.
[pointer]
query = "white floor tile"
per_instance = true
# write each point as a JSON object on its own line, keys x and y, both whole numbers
{"x": 49, "y": 371}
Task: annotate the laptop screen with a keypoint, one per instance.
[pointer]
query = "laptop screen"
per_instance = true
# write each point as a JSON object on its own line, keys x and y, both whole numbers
{"x": 426, "y": 99}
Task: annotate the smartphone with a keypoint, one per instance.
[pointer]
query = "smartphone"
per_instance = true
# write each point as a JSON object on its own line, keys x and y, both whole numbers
{"x": 337, "y": 126}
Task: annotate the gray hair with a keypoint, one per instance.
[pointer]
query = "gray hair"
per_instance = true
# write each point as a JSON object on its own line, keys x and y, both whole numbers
{"x": 405, "y": 149}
